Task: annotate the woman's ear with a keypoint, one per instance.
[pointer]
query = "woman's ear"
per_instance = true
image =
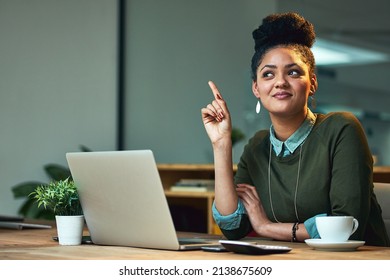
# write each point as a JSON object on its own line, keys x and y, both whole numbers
{"x": 314, "y": 85}
{"x": 255, "y": 89}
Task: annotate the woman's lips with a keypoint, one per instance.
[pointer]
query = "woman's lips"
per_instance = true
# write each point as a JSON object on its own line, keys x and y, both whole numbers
{"x": 282, "y": 95}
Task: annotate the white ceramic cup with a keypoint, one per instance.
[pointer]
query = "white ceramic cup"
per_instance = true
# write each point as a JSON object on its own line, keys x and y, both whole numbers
{"x": 336, "y": 228}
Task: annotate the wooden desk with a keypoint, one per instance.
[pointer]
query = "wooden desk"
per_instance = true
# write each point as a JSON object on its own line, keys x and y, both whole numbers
{"x": 36, "y": 244}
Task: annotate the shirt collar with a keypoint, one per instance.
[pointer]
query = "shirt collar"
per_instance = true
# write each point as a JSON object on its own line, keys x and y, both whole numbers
{"x": 296, "y": 139}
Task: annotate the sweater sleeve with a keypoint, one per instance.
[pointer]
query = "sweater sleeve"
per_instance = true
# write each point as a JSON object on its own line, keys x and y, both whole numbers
{"x": 351, "y": 183}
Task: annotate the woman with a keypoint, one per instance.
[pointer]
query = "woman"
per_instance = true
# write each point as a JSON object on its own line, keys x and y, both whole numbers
{"x": 306, "y": 165}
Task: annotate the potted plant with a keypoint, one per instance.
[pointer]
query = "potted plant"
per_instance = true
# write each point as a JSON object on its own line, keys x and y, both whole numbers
{"x": 23, "y": 190}
{"x": 61, "y": 197}
{"x": 237, "y": 135}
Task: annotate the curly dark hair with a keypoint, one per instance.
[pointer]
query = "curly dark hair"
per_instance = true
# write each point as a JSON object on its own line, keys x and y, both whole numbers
{"x": 287, "y": 29}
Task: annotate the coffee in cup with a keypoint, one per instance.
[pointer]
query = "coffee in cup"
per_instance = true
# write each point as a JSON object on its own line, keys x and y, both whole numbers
{"x": 336, "y": 228}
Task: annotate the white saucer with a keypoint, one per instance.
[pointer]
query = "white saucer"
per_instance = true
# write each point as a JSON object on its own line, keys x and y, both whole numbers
{"x": 349, "y": 245}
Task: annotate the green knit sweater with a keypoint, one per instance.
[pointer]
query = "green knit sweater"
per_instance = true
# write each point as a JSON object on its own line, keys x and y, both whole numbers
{"x": 335, "y": 177}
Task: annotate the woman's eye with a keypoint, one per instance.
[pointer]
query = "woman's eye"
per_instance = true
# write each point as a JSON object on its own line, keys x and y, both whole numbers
{"x": 267, "y": 75}
{"x": 294, "y": 73}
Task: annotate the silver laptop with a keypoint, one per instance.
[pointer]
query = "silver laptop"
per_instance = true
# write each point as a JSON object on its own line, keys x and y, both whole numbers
{"x": 124, "y": 202}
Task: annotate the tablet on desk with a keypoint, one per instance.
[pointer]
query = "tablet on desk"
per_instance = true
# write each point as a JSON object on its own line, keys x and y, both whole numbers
{"x": 22, "y": 225}
{"x": 7, "y": 218}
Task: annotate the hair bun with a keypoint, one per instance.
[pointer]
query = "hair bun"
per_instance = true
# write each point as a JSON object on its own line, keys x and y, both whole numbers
{"x": 288, "y": 28}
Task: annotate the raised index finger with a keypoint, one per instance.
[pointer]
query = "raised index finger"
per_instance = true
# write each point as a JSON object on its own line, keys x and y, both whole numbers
{"x": 214, "y": 89}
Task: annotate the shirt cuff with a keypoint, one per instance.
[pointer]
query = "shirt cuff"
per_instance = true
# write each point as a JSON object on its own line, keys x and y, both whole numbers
{"x": 310, "y": 225}
{"x": 231, "y": 221}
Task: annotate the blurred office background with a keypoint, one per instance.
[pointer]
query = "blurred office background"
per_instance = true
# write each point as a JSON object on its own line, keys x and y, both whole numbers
{"x": 132, "y": 74}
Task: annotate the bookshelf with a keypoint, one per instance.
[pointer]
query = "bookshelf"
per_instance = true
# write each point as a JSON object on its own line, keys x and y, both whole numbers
{"x": 200, "y": 215}
{"x": 191, "y": 211}
{"x": 382, "y": 174}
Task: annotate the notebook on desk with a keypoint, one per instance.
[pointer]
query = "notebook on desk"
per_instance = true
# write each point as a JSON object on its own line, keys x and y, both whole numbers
{"x": 124, "y": 202}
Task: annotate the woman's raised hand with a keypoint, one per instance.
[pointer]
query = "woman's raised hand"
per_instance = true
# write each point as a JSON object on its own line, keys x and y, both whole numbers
{"x": 216, "y": 117}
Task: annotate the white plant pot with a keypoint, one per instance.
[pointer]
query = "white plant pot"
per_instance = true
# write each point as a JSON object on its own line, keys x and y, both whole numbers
{"x": 70, "y": 229}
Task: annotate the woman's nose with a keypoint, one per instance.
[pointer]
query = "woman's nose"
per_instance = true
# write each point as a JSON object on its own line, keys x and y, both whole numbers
{"x": 281, "y": 82}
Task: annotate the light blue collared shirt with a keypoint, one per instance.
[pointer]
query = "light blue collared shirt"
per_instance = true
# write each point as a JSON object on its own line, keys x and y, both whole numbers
{"x": 283, "y": 149}
{"x": 296, "y": 139}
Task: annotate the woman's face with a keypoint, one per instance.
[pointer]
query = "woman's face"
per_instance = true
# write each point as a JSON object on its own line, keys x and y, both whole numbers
{"x": 283, "y": 83}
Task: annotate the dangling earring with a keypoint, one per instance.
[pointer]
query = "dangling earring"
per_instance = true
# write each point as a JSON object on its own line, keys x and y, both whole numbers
{"x": 258, "y": 106}
{"x": 313, "y": 102}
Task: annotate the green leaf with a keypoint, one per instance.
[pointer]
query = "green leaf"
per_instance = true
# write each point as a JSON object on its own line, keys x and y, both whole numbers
{"x": 85, "y": 149}
{"x": 24, "y": 189}
{"x": 29, "y": 208}
{"x": 46, "y": 215}
{"x": 57, "y": 172}
{"x": 237, "y": 135}
{"x": 61, "y": 197}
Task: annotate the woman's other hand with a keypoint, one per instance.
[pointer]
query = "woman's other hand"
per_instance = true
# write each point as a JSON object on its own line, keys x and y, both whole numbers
{"x": 253, "y": 206}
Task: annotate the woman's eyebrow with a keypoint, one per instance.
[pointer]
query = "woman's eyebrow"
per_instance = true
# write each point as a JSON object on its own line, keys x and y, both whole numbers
{"x": 268, "y": 66}
{"x": 291, "y": 65}
{"x": 274, "y": 66}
